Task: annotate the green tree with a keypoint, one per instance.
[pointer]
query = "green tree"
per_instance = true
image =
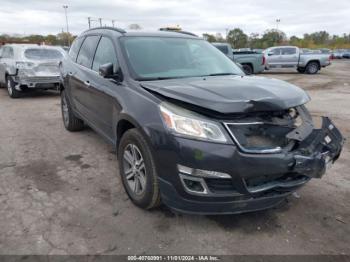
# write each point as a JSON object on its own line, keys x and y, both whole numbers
{"x": 65, "y": 38}
{"x": 255, "y": 41}
{"x": 51, "y": 40}
{"x": 210, "y": 38}
{"x": 237, "y": 38}
{"x": 273, "y": 37}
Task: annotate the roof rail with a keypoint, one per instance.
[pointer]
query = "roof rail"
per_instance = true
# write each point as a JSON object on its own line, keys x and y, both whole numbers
{"x": 187, "y": 33}
{"x": 177, "y": 31}
{"x": 119, "y": 30}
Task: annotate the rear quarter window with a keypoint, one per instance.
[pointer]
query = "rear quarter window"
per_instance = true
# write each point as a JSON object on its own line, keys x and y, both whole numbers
{"x": 74, "y": 50}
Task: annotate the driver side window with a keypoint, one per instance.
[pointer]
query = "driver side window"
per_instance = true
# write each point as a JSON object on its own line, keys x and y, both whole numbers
{"x": 105, "y": 53}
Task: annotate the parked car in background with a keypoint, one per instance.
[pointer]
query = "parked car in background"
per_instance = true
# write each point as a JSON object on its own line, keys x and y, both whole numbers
{"x": 325, "y": 50}
{"x": 191, "y": 130}
{"x": 346, "y": 54}
{"x": 295, "y": 58}
{"x": 252, "y": 62}
{"x": 27, "y": 66}
{"x": 338, "y": 54}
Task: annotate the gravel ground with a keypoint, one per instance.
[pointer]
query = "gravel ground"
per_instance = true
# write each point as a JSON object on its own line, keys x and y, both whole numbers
{"x": 60, "y": 192}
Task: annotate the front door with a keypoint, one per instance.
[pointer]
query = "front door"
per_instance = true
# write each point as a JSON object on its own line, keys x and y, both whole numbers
{"x": 289, "y": 57}
{"x": 273, "y": 58}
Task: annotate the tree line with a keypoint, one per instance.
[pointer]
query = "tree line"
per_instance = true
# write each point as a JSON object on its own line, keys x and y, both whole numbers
{"x": 236, "y": 37}
{"x": 272, "y": 37}
{"x": 62, "y": 39}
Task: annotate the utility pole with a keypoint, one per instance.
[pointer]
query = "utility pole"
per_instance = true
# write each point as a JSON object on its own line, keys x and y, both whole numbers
{"x": 100, "y": 20}
{"x": 89, "y": 22}
{"x": 226, "y": 33}
{"x": 113, "y": 23}
{"x": 65, "y": 7}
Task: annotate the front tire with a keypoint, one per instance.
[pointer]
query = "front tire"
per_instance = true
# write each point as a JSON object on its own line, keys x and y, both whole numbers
{"x": 312, "y": 68}
{"x": 11, "y": 90}
{"x": 70, "y": 121}
{"x": 138, "y": 170}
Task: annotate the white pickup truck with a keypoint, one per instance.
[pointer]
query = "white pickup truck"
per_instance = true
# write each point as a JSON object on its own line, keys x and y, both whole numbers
{"x": 293, "y": 57}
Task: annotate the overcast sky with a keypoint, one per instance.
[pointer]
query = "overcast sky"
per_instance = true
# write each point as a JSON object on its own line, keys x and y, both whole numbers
{"x": 199, "y": 16}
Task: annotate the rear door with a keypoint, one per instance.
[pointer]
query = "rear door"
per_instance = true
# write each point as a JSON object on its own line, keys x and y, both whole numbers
{"x": 79, "y": 80}
{"x": 289, "y": 57}
{"x": 103, "y": 106}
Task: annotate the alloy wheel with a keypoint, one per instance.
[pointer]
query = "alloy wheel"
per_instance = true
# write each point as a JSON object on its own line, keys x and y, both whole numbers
{"x": 134, "y": 169}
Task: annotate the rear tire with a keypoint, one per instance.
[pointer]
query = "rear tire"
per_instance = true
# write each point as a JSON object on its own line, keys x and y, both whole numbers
{"x": 248, "y": 69}
{"x": 312, "y": 68}
{"x": 70, "y": 121}
{"x": 138, "y": 170}
{"x": 11, "y": 90}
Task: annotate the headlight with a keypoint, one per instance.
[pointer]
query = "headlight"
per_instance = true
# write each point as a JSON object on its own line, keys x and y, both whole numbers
{"x": 24, "y": 65}
{"x": 186, "y": 123}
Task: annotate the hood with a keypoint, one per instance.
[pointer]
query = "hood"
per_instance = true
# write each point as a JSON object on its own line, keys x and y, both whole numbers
{"x": 231, "y": 94}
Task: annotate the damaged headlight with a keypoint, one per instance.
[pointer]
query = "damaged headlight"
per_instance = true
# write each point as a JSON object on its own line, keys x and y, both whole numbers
{"x": 186, "y": 123}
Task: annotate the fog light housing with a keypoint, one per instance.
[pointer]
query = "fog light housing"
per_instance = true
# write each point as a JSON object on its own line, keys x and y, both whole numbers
{"x": 201, "y": 173}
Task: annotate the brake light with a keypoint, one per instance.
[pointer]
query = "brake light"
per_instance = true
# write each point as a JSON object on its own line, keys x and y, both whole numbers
{"x": 263, "y": 60}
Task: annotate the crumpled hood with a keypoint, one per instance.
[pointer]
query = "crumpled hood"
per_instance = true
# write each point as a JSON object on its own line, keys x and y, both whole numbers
{"x": 231, "y": 94}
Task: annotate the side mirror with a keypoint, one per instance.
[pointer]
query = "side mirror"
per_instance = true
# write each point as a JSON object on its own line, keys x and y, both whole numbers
{"x": 106, "y": 70}
{"x": 270, "y": 53}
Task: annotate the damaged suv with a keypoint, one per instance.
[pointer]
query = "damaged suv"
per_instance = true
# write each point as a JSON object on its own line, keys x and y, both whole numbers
{"x": 190, "y": 129}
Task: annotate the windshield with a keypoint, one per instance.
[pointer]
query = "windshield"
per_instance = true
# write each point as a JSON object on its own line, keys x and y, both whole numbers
{"x": 42, "y": 54}
{"x": 165, "y": 57}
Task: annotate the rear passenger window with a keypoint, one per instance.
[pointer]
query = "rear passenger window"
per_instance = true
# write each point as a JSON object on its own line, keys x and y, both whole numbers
{"x": 105, "y": 53}
{"x": 289, "y": 51}
{"x": 73, "y": 51}
{"x": 87, "y": 51}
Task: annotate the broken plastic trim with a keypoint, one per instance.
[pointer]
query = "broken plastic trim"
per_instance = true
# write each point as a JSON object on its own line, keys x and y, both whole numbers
{"x": 297, "y": 133}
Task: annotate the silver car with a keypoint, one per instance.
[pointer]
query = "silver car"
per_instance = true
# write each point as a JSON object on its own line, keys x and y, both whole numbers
{"x": 27, "y": 66}
{"x": 292, "y": 57}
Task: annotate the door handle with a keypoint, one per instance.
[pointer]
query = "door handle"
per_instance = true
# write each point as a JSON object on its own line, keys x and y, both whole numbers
{"x": 87, "y": 83}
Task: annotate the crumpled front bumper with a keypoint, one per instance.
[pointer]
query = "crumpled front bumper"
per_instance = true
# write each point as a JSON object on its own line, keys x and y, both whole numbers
{"x": 319, "y": 150}
{"x": 258, "y": 181}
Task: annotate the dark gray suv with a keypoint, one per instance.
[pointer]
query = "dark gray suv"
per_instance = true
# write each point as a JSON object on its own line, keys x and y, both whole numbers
{"x": 190, "y": 129}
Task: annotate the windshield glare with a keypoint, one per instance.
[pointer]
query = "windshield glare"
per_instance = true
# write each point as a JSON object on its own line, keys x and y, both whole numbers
{"x": 166, "y": 57}
{"x": 42, "y": 54}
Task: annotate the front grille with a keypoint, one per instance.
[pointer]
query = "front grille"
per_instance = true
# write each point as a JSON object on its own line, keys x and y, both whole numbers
{"x": 220, "y": 185}
{"x": 256, "y": 137}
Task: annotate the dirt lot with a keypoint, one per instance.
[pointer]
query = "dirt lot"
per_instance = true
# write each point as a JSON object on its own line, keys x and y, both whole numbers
{"x": 60, "y": 192}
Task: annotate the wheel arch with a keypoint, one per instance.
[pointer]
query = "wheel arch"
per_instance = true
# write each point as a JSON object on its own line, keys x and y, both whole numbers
{"x": 125, "y": 123}
{"x": 314, "y": 61}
